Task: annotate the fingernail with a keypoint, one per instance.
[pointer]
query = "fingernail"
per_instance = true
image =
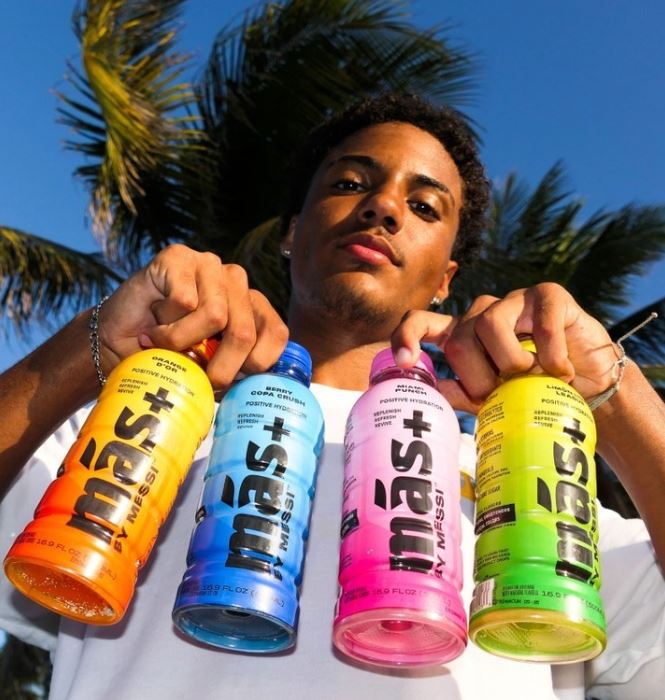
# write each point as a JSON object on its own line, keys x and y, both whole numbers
{"x": 403, "y": 357}
{"x": 145, "y": 341}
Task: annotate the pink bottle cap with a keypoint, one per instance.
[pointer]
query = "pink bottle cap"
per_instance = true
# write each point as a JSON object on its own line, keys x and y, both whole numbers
{"x": 384, "y": 360}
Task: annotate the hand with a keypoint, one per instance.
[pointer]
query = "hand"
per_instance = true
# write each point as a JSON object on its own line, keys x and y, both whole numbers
{"x": 482, "y": 345}
{"x": 183, "y": 296}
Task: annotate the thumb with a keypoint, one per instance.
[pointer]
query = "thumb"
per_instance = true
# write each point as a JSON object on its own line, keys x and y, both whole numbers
{"x": 454, "y": 393}
{"x": 417, "y": 326}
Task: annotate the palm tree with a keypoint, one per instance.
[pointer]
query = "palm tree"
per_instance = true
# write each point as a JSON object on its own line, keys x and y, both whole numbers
{"x": 167, "y": 160}
{"x": 536, "y": 235}
{"x": 170, "y": 160}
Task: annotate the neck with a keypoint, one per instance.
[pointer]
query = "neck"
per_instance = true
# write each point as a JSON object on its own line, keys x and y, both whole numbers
{"x": 341, "y": 353}
{"x": 348, "y": 369}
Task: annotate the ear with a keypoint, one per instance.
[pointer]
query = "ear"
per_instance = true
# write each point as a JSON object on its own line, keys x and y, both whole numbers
{"x": 287, "y": 242}
{"x": 443, "y": 290}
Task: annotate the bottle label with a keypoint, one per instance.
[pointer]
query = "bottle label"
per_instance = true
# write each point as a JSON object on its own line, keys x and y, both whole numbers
{"x": 400, "y": 526}
{"x": 253, "y": 518}
{"x": 536, "y": 517}
{"x": 119, "y": 480}
{"x": 137, "y": 446}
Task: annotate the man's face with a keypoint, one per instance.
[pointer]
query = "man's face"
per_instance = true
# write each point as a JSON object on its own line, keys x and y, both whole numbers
{"x": 374, "y": 236}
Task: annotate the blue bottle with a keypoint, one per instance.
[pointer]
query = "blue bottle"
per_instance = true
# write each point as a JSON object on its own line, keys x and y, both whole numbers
{"x": 245, "y": 559}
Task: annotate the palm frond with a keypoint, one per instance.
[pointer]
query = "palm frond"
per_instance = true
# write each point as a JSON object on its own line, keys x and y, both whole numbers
{"x": 40, "y": 278}
{"x": 258, "y": 252}
{"x": 130, "y": 117}
{"x": 619, "y": 247}
{"x": 647, "y": 346}
{"x": 543, "y": 210}
{"x": 282, "y": 70}
{"x": 536, "y": 236}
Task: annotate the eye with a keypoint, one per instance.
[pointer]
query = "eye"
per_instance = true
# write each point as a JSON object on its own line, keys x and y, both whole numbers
{"x": 424, "y": 209}
{"x": 346, "y": 185}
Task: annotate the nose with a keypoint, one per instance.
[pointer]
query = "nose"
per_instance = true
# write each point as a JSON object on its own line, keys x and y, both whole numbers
{"x": 382, "y": 208}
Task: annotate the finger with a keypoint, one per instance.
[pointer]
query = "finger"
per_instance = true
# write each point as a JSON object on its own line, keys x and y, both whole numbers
{"x": 239, "y": 331}
{"x": 272, "y": 335}
{"x": 454, "y": 393}
{"x": 554, "y": 311}
{"x": 196, "y": 302}
{"x": 415, "y": 327}
{"x": 496, "y": 329}
{"x": 467, "y": 356}
{"x": 468, "y": 360}
{"x": 176, "y": 274}
{"x": 126, "y": 313}
{"x": 178, "y": 300}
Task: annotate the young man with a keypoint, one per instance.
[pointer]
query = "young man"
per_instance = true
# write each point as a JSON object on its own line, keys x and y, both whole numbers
{"x": 391, "y": 198}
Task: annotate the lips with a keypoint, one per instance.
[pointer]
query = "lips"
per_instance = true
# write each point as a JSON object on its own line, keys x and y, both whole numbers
{"x": 371, "y": 249}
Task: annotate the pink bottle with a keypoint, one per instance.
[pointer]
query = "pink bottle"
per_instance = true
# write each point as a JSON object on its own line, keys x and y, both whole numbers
{"x": 400, "y": 570}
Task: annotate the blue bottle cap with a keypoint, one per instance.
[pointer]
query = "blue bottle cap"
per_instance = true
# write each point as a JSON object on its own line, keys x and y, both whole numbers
{"x": 294, "y": 362}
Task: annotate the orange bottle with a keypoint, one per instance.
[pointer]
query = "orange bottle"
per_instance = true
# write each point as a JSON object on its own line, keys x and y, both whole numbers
{"x": 98, "y": 520}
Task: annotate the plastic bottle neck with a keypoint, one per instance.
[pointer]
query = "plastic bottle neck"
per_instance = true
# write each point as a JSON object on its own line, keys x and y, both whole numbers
{"x": 202, "y": 351}
{"x": 197, "y": 359}
{"x": 290, "y": 370}
{"x": 294, "y": 363}
{"x": 414, "y": 373}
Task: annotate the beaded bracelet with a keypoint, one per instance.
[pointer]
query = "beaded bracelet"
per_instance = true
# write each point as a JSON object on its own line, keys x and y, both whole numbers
{"x": 619, "y": 366}
{"x": 94, "y": 341}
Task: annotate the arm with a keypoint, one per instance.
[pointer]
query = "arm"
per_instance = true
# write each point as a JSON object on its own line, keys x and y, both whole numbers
{"x": 177, "y": 300}
{"x": 482, "y": 346}
{"x": 40, "y": 391}
{"x": 631, "y": 432}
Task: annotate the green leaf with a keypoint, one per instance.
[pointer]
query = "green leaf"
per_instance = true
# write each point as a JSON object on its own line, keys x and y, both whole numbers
{"x": 282, "y": 70}
{"x": 40, "y": 278}
{"x": 141, "y": 145}
{"x": 536, "y": 236}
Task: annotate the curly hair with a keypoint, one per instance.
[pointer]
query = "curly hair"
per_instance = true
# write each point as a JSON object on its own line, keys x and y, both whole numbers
{"x": 444, "y": 123}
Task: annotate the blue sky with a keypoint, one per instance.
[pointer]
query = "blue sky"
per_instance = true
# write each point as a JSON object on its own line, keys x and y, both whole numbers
{"x": 577, "y": 81}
